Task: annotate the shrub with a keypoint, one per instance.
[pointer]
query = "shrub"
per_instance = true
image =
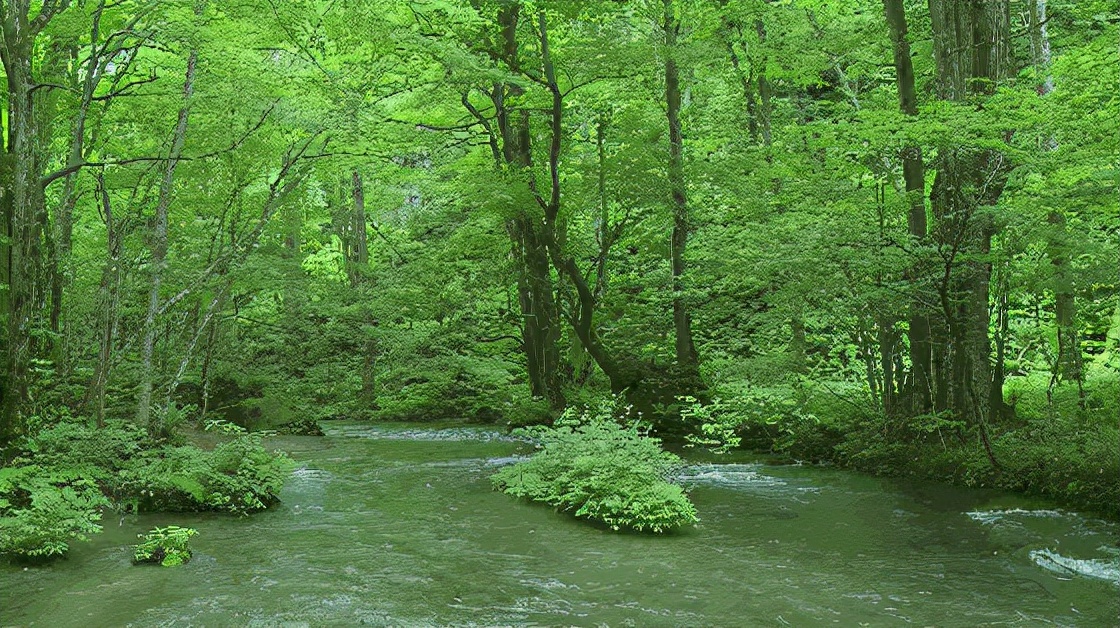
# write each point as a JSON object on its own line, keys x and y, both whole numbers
{"x": 430, "y": 382}
{"x": 593, "y": 467}
{"x": 784, "y": 420}
{"x": 238, "y": 476}
{"x": 523, "y": 411}
{"x": 1080, "y": 464}
{"x": 165, "y": 546}
{"x": 42, "y": 510}
{"x": 77, "y": 444}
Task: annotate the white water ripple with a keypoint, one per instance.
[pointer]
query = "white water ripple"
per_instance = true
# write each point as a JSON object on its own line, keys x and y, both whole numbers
{"x": 1098, "y": 568}
{"x": 421, "y": 434}
{"x": 989, "y": 517}
{"x": 729, "y": 475}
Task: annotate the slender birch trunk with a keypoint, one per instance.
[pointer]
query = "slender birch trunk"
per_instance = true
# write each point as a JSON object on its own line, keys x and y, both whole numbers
{"x": 159, "y": 245}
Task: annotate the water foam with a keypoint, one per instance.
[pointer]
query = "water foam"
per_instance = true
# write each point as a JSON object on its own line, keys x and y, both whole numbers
{"x": 311, "y": 475}
{"x": 728, "y": 475}
{"x": 989, "y": 517}
{"x": 1097, "y": 568}
{"x": 437, "y": 435}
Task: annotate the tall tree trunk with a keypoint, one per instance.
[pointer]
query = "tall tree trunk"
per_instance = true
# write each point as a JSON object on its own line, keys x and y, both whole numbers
{"x": 292, "y": 216}
{"x": 1068, "y": 366}
{"x": 797, "y": 343}
{"x": 687, "y": 358}
{"x": 971, "y": 42}
{"x": 540, "y": 329}
{"x": 913, "y": 174}
{"x": 25, "y": 214}
{"x": 730, "y": 32}
{"x": 159, "y": 246}
{"x": 64, "y": 221}
{"x": 368, "y": 394}
{"x": 110, "y": 303}
{"x": 359, "y": 262}
{"x": 205, "y": 370}
{"x": 1040, "y": 46}
{"x": 999, "y": 410}
{"x": 764, "y": 110}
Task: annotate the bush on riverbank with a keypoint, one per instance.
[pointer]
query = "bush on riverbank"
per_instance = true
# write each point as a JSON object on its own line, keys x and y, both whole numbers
{"x": 238, "y": 476}
{"x": 53, "y": 490}
{"x": 1054, "y": 448}
{"x": 59, "y": 479}
{"x": 43, "y": 510}
{"x": 593, "y": 467}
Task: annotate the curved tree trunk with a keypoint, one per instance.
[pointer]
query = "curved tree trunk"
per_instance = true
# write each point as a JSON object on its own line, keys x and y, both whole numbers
{"x": 540, "y": 327}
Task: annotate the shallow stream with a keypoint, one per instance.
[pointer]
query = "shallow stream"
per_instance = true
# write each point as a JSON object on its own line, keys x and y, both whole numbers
{"x": 398, "y": 526}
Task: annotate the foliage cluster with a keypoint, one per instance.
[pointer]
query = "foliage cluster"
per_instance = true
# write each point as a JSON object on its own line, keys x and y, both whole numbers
{"x": 590, "y": 465}
{"x": 1054, "y": 447}
{"x": 53, "y": 491}
{"x": 44, "y": 509}
{"x": 168, "y": 546}
{"x": 782, "y": 419}
{"x": 238, "y": 476}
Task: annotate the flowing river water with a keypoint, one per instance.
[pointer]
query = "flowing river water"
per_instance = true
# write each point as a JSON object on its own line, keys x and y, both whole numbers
{"x": 398, "y": 526}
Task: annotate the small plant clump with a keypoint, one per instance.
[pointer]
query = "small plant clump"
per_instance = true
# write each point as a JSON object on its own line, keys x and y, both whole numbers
{"x": 593, "y": 467}
{"x": 165, "y": 546}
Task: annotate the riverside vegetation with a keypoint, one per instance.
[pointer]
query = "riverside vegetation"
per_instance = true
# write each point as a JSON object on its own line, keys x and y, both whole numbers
{"x": 876, "y": 233}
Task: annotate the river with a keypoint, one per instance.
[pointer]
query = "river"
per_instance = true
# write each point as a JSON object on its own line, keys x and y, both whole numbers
{"x": 398, "y": 526}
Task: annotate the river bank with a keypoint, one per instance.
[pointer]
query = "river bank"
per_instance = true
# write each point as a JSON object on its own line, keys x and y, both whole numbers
{"x": 1057, "y": 451}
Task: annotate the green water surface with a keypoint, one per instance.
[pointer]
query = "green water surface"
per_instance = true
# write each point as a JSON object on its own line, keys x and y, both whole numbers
{"x": 398, "y": 526}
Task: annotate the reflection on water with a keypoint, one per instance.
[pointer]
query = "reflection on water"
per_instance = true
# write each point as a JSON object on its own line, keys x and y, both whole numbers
{"x": 398, "y": 526}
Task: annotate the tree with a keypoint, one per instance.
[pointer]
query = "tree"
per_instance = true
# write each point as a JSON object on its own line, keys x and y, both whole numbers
{"x": 972, "y": 52}
{"x": 913, "y": 172}
{"x": 24, "y": 205}
{"x": 159, "y": 240}
{"x": 682, "y": 321}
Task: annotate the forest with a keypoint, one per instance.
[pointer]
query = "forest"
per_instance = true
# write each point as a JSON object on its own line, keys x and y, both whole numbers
{"x": 641, "y": 257}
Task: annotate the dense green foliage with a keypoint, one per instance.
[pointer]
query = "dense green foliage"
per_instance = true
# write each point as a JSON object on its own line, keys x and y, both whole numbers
{"x": 54, "y": 490}
{"x": 43, "y": 510}
{"x": 1053, "y": 448}
{"x": 592, "y": 466}
{"x": 168, "y": 546}
{"x": 238, "y": 476}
